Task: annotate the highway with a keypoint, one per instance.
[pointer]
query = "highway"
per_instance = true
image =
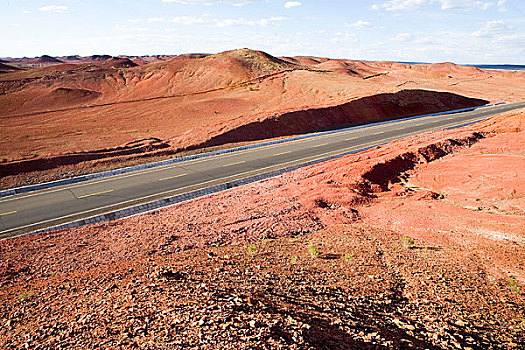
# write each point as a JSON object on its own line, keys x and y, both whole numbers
{"x": 28, "y": 212}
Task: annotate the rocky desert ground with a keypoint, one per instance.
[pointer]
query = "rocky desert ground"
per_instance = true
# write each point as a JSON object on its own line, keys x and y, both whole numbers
{"x": 415, "y": 244}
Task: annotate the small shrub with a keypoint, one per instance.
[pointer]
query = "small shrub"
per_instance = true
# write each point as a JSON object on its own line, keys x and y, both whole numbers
{"x": 513, "y": 286}
{"x": 314, "y": 252}
{"x": 294, "y": 261}
{"x": 25, "y": 295}
{"x": 408, "y": 242}
{"x": 251, "y": 249}
{"x": 349, "y": 258}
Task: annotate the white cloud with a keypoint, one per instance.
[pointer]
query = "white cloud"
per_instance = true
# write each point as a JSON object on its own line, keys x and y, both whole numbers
{"x": 187, "y": 20}
{"x": 502, "y": 5}
{"x": 156, "y": 20}
{"x": 465, "y": 4}
{"x": 414, "y": 39}
{"x": 291, "y": 4}
{"x": 425, "y": 40}
{"x": 400, "y": 5}
{"x": 213, "y": 2}
{"x": 245, "y": 22}
{"x": 493, "y": 28}
{"x": 403, "y": 37}
{"x": 54, "y": 8}
{"x": 512, "y": 42}
{"x": 405, "y": 5}
{"x": 127, "y": 29}
{"x": 344, "y": 38}
{"x": 359, "y": 24}
{"x": 228, "y": 22}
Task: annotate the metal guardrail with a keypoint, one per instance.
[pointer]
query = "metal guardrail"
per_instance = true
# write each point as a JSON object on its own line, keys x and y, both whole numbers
{"x": 88, "y": 177}
{"x": 183, "y": 197}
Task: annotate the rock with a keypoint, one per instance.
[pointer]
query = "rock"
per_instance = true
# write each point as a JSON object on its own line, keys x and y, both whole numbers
{"x": 408, "y": 326}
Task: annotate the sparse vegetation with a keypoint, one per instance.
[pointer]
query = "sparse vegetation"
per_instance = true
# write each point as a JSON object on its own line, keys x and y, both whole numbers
{"x": 513, "y": 286}
{"x": 408, "y": 242}
{"x": 251, "y": 249}
{"x": 349, "y": 258}
{"x": 293, "y": 261}
{"x": 25, "y": 295}
{"x": 266, "y": 239}
{"x": 314, "y": 252}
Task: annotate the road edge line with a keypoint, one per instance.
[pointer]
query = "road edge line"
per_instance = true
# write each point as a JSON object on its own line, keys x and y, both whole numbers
{"x": 88, "y": 177}
{"x": 203, "y": 192}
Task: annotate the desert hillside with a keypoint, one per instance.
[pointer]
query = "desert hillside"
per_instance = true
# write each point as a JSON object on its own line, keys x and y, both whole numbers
{"x": 85, "y": 113}
{"x": 415, "y": 244}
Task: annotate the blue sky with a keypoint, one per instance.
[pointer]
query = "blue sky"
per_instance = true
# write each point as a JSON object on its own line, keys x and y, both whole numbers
{"x": 461, "y": 31}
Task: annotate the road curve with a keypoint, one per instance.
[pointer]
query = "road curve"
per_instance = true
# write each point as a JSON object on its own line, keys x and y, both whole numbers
{"x": 25, "y": 213}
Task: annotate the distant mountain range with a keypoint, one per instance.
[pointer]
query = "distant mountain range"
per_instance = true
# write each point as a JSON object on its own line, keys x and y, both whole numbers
{"x": 499, "y": 66}
{"x": 484, "y": 66}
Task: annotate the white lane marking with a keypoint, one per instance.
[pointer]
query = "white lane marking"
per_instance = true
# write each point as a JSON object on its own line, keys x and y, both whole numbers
{"x": 94, "y": 194}
{"x": 390, "y": 139}
{"x": 172, "y": 177}
{"x": 179, "y": 189}
{"x": 171, "y": 166}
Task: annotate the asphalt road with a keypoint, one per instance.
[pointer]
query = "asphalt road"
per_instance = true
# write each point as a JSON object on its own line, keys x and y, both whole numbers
{"x": 25, "y": 213}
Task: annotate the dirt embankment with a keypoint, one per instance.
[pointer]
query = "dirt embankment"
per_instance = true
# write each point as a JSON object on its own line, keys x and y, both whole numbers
{"x": 374, "y": 108}
{"x": 5, "y": 68}
{"x": 405, "y": 103}
{"x": 70, "y": 114}
{"x": 320, "y": 189}
{"x": 371, "y": 250}
{"x": 41, "y": 164}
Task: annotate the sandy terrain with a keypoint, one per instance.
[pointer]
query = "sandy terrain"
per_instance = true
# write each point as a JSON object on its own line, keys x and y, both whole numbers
{"x": 88, "y": 109}
{"x": 387, "y": 248}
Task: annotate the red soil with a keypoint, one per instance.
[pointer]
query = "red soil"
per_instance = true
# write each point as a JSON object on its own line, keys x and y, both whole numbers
{"x": 57, "y": 112}
{"x": 182, "y": 276}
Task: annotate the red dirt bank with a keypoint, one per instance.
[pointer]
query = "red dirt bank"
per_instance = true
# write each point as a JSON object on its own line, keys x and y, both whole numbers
{"x": 68, "y": 112}
{"x": 223, "y": 272}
